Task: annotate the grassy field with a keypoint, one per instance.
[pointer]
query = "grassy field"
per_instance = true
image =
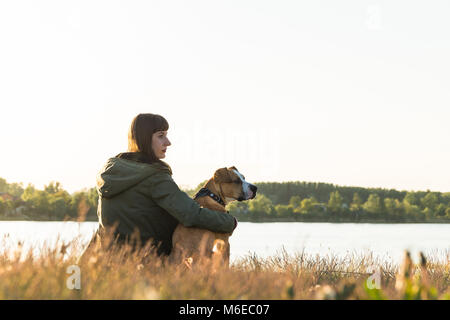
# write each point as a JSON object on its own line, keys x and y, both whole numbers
{"x": 123, "y": 274}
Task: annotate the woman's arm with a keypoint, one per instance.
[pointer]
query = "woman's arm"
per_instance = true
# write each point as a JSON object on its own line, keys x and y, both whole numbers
{"x": 165, "y": 192}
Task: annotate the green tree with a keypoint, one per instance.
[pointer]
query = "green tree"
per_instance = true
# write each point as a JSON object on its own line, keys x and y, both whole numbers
{"x": 357, "y": 202}
{"x": 335, "y": 202}
{"x": 79, "y": 206}
{"x": 261, "y": 205}
{"x": 15, "y": 189}
{"x": 283, "y": 210}
{"x": 447, "y": 212}
{"x": 389, "y": 205}
{"x": 239, "y": 207}
{"x": 440, "y": 210}
{"x": 399, "y": 209}
{"x": 40, "y": 204}
{"x": 57, "y": 207}
{"x": 53, "y": 187}
{"x": 412, "y": 210}
{"x": 308, "y": 205}
{"x": 428, "y": 213}
{"x": 446, "y": 198}
{"x": 3, "y": 185}
{"x": 431, "y": 200}
{"x": 3, "y": 206}
{"x": 412, "y": 199}
{"x": 29, "y": 192}
{"x": 295, "y": 201}
{"x": 373, "y": 204}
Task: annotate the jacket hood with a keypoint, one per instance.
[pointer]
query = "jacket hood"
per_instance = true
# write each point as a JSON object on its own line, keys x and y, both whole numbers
{"x": 125, "y": 171}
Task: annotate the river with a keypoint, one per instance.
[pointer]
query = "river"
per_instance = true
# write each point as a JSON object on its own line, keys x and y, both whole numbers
{"x": 384, "y": 241}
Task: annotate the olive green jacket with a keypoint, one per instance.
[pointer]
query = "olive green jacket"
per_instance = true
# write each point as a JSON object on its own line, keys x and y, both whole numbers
{"x": 140, "y": 196}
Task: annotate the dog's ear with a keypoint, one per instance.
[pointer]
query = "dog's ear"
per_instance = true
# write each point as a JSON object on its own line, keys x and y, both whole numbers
{"x": 222, "y": 176}
{"x": 234, "y": 168}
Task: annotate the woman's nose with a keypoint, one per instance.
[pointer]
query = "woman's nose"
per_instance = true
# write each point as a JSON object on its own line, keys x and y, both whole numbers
{"x": 168, "y": 142}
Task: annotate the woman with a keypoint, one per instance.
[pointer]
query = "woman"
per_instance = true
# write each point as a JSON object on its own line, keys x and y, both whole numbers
{"x": 137, "y": 193}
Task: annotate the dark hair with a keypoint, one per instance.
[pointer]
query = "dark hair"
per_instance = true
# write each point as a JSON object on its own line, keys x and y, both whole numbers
{"x": 142, "y": 128}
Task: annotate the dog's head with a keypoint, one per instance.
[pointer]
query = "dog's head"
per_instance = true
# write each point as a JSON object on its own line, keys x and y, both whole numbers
{"x": 233, "y": 184}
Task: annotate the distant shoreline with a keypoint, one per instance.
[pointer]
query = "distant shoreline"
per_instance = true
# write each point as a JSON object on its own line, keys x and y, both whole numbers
{"x": 294, "y": 201}
{"x": 252, "y": 221}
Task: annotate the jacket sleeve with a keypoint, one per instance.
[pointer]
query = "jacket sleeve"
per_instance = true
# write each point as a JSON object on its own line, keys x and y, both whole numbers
{"x": 165, "y": 192}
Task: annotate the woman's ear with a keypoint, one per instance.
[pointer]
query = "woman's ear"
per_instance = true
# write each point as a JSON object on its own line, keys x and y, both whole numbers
{"x": 221, "y": 176}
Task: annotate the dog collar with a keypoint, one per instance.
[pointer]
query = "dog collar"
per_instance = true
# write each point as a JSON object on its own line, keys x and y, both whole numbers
{"x": 206, "y": 192}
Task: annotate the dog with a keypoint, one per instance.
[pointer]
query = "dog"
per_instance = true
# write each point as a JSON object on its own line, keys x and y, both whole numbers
{"x": 192, "y": 245}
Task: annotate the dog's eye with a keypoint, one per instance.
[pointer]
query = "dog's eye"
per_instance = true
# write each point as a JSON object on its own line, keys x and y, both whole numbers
{"x": 237, "y": 181}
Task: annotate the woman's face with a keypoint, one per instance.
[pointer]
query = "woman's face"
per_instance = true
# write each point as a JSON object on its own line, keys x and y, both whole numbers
{"x": 160, "y": 142}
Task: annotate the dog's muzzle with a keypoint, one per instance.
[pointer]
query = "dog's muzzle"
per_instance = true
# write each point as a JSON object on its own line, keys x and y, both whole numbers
{"x": 250, "y": 193}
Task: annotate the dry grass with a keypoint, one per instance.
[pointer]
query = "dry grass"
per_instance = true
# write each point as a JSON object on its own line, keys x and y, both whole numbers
{"x": 122, "y": 273}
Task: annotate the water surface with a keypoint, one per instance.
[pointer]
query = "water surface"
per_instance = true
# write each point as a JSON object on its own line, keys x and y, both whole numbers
{"x": 384, "y": 241}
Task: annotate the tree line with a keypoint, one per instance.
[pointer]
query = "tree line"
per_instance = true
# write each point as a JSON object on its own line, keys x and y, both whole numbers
{"x": 324, "y": 202}
{"x": 52, "y": 203}
{"x": 285, "y": 201}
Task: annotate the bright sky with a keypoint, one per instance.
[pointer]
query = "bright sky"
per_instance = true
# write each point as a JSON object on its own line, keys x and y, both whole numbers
{"x": 347, "y": 92}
